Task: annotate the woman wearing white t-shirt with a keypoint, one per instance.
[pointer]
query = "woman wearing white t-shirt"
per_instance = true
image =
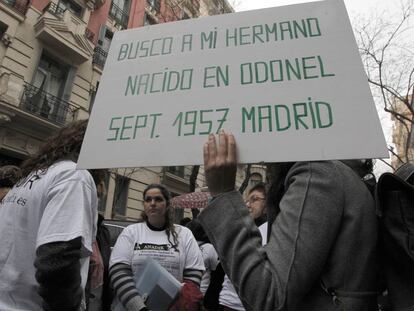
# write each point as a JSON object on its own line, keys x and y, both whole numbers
{"x": 47, "y": 227}
{"x": 173, "y": 246}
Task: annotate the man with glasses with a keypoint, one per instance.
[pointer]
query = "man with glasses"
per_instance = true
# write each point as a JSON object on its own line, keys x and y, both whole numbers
{"x": 256, "y": 203}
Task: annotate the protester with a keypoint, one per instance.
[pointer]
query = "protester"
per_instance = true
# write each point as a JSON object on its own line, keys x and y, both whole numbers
{"x": 9, "y": 175}
{"x": 173, "y": 246}
{"x": 256, "y": 204}
{"x": 210, "y": 256}
{"x": 48, "y": 219}
{"x": 321, "y": 252}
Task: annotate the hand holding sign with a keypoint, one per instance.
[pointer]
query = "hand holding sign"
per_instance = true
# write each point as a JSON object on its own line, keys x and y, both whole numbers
{"x": 220, "y": 163}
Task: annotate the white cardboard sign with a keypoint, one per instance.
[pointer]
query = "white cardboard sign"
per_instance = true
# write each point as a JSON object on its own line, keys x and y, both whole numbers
{"x": 288, "y": 82}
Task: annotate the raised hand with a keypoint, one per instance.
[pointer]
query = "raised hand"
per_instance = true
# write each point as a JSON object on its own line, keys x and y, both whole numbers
{"x": 220, "y": 163}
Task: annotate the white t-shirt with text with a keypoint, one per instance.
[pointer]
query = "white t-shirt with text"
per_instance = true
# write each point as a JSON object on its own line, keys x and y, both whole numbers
{"x": 59, "y": 205}
{"x": 139, "y": 240}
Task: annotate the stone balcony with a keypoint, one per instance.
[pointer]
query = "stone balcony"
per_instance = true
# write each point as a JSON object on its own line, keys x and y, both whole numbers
{"x": 64, "y": 32}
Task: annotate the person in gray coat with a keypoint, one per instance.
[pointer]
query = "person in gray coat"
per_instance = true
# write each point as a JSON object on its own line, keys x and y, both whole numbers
{"x": 321, "y": 254}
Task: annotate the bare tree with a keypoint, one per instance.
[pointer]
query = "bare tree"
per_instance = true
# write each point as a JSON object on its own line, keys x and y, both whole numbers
{"x": 388, "y": 57}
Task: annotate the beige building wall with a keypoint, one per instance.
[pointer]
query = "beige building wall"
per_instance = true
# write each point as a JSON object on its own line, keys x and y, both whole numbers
{"x": 24, "y": 126}
{"x": 26, "y": 38}
{"x": 400, "y": 135}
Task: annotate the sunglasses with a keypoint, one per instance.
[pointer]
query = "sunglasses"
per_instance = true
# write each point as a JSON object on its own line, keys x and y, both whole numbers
{"x": 157, "y": 199}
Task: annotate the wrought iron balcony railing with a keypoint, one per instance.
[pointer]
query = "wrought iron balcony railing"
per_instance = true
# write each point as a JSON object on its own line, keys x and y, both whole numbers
{"x": 154, "y": 5}
{"x": 99, "y": 56}
{"x": 119, "y": 15}
{"x": 46, "y": 106}
{"x": 55, "y": 10}
{"x": 19, "y": 5}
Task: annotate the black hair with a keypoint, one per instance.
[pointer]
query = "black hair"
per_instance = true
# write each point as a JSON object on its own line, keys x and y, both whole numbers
{"x": 198, "y": 231}
{"x": 185, "y": 221}
{"x": 64, "y": 145}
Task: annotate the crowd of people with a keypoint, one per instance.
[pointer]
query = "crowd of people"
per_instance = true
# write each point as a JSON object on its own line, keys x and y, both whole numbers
{"x": 307, "y": 240}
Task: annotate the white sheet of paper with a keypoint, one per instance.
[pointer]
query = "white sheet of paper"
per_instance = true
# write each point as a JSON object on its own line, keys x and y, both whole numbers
{"x": 288, "y": 82}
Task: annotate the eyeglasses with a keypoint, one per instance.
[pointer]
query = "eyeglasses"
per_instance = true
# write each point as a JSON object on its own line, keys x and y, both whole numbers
{"x": 157, "y": 199}
{"x": 254, "y": 199}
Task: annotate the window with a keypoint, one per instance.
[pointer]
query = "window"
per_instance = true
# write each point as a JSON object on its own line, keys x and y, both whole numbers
{"x": 119, "y": 12}
{"x": 107, "y": 39}
{"x": 50, "y": 76}
{"x": 3, "y": 29}
{"x": 101, "y": 50}
{"x": 44, "y": 95}
{"x": 154, "y": 5}
{"x": 71, "y": 6}
{"x": 120, "y": 195}
{"x": 19, "y": 5}
{"x": 176, "y": 170}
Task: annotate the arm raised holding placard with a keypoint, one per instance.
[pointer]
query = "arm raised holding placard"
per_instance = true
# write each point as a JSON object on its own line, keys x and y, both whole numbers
{"x": 321, "y": 251}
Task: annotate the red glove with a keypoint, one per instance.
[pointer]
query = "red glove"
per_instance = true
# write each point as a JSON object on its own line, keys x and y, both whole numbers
{"x": 190, "y": 298}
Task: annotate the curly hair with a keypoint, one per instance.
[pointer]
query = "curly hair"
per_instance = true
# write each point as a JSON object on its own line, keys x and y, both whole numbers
{"x": 169, "y": 225}
{"x": 64, "y": 145}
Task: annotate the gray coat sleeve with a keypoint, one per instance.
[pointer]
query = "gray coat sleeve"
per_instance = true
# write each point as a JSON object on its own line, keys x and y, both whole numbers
{"x": 277, "y": 276}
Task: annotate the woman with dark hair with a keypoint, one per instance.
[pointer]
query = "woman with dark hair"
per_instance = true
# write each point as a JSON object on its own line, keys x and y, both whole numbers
{"x": 173, "y": 246}
{"x": 48, "y": 218}
{"x": 321, "y": 254}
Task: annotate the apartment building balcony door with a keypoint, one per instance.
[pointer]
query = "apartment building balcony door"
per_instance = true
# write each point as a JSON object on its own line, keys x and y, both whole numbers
{"x": 47, "y": 87}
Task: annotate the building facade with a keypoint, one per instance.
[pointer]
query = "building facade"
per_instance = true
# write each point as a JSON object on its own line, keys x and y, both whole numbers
{"x": 403, "y": 132}
{"x": 52, "y": 54}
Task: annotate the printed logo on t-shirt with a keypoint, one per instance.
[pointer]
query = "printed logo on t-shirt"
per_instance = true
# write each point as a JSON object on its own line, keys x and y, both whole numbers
{"x": 163, "y": 253}
{"x": 28, "y": 181}
{"x": 14, "y": 197}
{"x": 150, "y": 246}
